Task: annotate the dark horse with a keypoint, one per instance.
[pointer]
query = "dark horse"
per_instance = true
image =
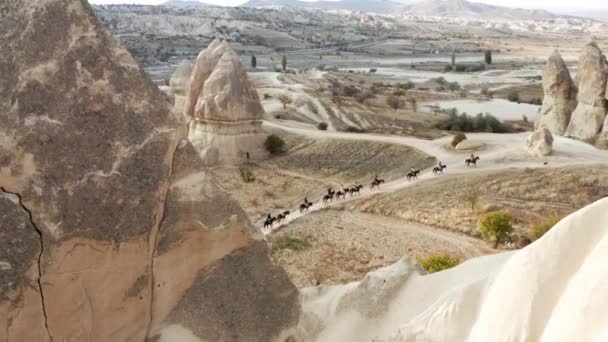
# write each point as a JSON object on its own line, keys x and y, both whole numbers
{"x": 413, "y": 174}
{"x": 376, "y": 183}
{"x": 281, "y": 217}
{"x": 355, "y": 190}
{"x": 305, "y": 206}
{"x": 439, "y": 169}
{"x": 329, "y": 197}
{"x": 341, "y": 194}
{"x": 473, "y": 161}
{"x": 269, "y": 221}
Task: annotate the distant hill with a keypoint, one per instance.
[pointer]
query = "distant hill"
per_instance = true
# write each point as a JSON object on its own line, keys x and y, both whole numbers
{"x": 439, "y": 8}
{"x": 184, "y": 4}
{"x": 466, "y": 9}
{"x": 370, "y": 6}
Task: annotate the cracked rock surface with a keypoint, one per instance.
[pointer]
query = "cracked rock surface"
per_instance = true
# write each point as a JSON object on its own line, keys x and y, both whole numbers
{"x": 108, "y": 219}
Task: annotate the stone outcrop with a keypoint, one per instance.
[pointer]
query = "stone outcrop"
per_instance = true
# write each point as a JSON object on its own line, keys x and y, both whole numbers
{"x": 540, "y": 143}
{"x": 111, "y": 229}
{"x": 559, "y": 96}
{"x": 588, "y": 117}
{"x": 179, "y": 83}
{"x": 225, "y": 108}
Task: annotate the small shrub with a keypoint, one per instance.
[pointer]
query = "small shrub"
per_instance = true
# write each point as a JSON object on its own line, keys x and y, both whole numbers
{"x": 394, "y": 102}
{"x": 322, "y": 126}
{"x": 407, "y": 85}
{"x": 479, "y": 123}
{"x": 495, "y": 226}
{"x": 247, "y": 175}
{"x": 458, "y": 138}
{"x": 513, "y": 96}
{"x": 352, "y": 129}
{"x": 540, "y": 228}
{"x": 448, "y": 68}
{"x": 291, "y": 243}
{"x": 438, "y": 262}
{"x": 372, "y": 70}
{"x": 453, "y": 86}
{"x": 274, "y": 144}
{"x": 471, "y": 196}
{"x": 460, "y": 68}
{"x": 267, "y": 96}
{"x": 398, "y": 92}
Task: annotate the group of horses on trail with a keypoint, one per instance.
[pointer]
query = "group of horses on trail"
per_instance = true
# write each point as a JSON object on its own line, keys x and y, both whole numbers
{"x": 355, "y": 190}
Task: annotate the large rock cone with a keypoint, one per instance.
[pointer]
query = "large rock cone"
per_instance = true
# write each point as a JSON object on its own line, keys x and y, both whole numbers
{"x": 226, "y": 109}
{"x": 588, "y": 117}
{"x": 110, "y": 229}
{"x": 560, "y": 96}
{"x": 179, "y": 82}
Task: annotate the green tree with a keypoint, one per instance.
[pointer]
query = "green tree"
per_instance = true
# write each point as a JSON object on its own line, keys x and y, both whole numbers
{"x": 488, "y": 57}
{"x": 274, "y": 144}
{"x": 540, "y": 228}
{"x": 438, "y": 262}
{"x": 254, "y": 61}
{"x": 284, "y": 62}
{"x": 495, "y": 226}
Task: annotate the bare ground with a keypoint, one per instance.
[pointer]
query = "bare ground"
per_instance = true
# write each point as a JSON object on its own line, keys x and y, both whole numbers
{"x": 345, "y": 245}
{"x": 529, "y": 195}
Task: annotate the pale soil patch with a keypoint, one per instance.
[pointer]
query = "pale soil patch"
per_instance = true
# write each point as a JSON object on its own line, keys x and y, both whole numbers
{"x": 529, "y": 195}
{"x": 345, "y": 245}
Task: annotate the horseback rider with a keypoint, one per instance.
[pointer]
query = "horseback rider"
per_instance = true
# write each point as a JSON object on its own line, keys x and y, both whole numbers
{"x": 472, "y": 156}
{"x": 376, "y": 180}
{"x": 329, "y": 191}
{"x": 268, "y": 218}
{"x": 412, "y": 170}
{"x": 440, "y": 165}
{"x": 305, "y": 200}
{"x": 341, "y": 187}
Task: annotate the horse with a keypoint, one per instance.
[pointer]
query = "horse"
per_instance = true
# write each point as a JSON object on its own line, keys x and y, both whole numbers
{"x": 341, "y": 194}
{"x": 269, "y": 222}
{"x": 304, "y": 206}
{"x": 376, "y": 183}
{"x": 282, "y": 216}
{"x": 328, "y": 198}
{"x": 355, "y": 190}
{"x": 413, "y": 175}
{"x": 473, "y": 161}
{"x": 439, "y": 170}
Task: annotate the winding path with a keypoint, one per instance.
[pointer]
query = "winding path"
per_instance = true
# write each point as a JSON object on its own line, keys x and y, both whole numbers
{"x": 502, "y": 151}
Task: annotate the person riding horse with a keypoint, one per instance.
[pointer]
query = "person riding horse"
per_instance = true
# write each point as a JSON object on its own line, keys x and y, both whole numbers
{"x": 376, "y": 180}
{"x": 440, "y": 165}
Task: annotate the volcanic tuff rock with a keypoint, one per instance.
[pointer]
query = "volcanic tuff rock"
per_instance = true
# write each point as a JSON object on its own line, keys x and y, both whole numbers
{"x": 101, "y": 198}
{"x": 560, "y": 96}
{"x": 588, "y": 117}
{"x": 179, "y": 82}
{"x": 225, "y": 108}
{"x": 540, "y": 143}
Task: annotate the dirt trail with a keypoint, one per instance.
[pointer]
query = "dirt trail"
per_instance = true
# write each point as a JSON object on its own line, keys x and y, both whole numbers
{"x": 501, "y": 151}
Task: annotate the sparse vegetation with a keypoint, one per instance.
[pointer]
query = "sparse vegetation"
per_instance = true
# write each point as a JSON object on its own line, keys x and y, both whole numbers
{"x": 285, "y": 100}
{"x": 485, "y": 91}
{"x": 495, "y": 226}
{"x": 407, "y": 85}
{"x": 479, "y": 123}
{"x": 247, "y": 175}
{"x": 291, "y": 243}
{"x": 274, "y": 144}
{"x": 394, "y": 102}
{"x": 538, "y": 229}
{"x": 488, "y": 57}
{"x": 448, "y": 68}
{"x": 322, "y": 126}
{"x": 513, "y": 96}
{"x": 438, "y": 262}
{"x": 471, "y": 196}
{"x": 458, "y": 137}
{"x": 413, "y": 103}
{"x": 284, "y": 62}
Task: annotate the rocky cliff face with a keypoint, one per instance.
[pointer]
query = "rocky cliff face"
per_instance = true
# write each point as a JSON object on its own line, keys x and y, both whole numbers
{"x": 111, "y": 228}
{"x": 224, "y": 107}
{"x": 588, "y": 117}
{"x": 560, "y": 96}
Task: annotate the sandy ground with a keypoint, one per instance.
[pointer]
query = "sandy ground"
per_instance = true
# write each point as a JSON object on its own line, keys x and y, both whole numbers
{"x": 345, "y": 245}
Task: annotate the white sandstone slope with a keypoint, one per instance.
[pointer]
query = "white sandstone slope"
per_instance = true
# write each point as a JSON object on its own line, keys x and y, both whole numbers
{"x": 554, "y": 290}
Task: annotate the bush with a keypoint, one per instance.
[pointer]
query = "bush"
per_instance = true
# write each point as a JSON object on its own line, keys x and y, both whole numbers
{"x": 394, "y": 102}
{"x": 453, "y": 86}
{"x": 460, "y": 68}
{"x": 274, "y": 144}
{"x": 486, "y": 92}
{"x": 372, "y": 70}
{"x": 475, "y": 67}
{"x": 438, "y": 262}
{"x": 458, "y": 138}
{"x": 513, "y": 96}
{"x": 267, "y": 96}
{"x": 288, "y": 242}
{"x": 398, "y": 92}
{"x": 322, "y": 126}
{"x": 495, "y": 226}
{"x": 479, "y": 123}
{"x": 352, "y": 129}
{"x": 471, "y": 195}
{"x": 540, "y": 228}
{"x": 247, "y": 175}
{"x": 448, "y": 68}
{"x": 407, "y": 85}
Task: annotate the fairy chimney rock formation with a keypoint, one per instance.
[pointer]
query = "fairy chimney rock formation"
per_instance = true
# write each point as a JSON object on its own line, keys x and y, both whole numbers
{"x": 540, "y": 143}
{"x": 111, "y": 228}
{"x": 178, "y": 84}
{"x": 226, "y": 113}
{"x": 560, "y": 96}
{"x": 588, "y": 117}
